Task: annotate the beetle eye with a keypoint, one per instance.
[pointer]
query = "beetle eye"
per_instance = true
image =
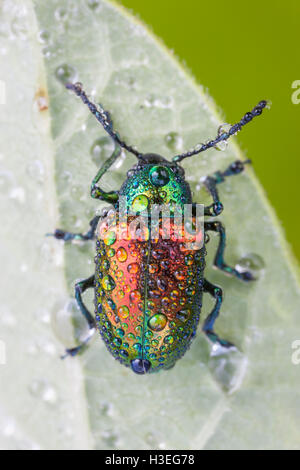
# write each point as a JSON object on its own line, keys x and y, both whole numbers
{"x": 159, "y": 176}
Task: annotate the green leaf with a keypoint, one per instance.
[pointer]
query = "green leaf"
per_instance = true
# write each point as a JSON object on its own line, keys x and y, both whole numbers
{"x": 244, "y": 399}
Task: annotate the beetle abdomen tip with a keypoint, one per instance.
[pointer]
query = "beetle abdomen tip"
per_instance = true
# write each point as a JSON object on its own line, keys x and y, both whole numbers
{"x": 140, "y": 366}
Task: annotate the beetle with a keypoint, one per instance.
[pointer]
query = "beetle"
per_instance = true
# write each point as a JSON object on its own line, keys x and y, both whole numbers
{"x": 148, "y": 290}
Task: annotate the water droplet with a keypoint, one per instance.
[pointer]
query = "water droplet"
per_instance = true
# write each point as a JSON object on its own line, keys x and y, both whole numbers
{"x": 127, "y": 81}
{"x": 189, "y": 260}
{"x": 123, "y": 311}
{"x": 222, "y": 145}
{"x": 111, "y": 252}
{"x": 158, "y": 322}
{"x": 269, "y": 104}
{"x": 78, "y": 192}
{"x": 169, "y": 339}
{"x": 140, "y": 203}
{"x": 150, "y": 304}
{"x": 183, "y": 315}
{"x": 66, "y": 176}
{"x": 135, "y": 296}
{"x": 224, "y": 128}
{"x": 159, "y": 254}
{"x": 158, "y": 102}
{"x": 151, "y": 439}
{"x": 120, "y": 332}
{"x": 154, "y": 294}
{"x": 47, "y": 52}
{"x": 228, "y": 367}
{"x": 109, "y": 238}
{"x": 197, "y": 147}
{"x": 93, "y": 4}
{"x": 105, "y": 265}
{"x": 101, "y": 150}
{"x": 18, "y": 194}
{"x": 162, "y": 445}
{"x": 162, "y": 284}
{"x": 250, "y": 262}
{"x": 60, "y": 14}
{"x": 133, "y": 268}
{"x": 110, "y": 438}
{"x": 153, "y": 268}
{"x": 179, "y": 274}
{"x": 108, "y": 283}
{"x": 42, "y": 389}
{"x": 174, "y": 141}
{"x": 174, "y": 294}
{"x": 68, "y": 324}
{"x": 121, "y": 294}
{"x": 117, "y": 341}
{"x": 137, "y": 346}
{"x": 36, "y": 171}
{"x": 119, "y": 274}
{"x": 122, "y": 254}
{"x": 159, "y": 176}
{"x": 20, "y": 27}
{"x": 106, "y": 409}
{"x": 66, "y": 73}
{"x": 44, "y": 36}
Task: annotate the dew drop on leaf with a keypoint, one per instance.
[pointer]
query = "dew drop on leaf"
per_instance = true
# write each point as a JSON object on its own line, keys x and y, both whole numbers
{"x": 101, "y": 149}
{"x": 174, "y": 141}
{"x": 61, "y": 14}
{"x": 43, "y": 390}
{"x": 251, "y": 262}
{"x": 44, "y": 36}
{"x": 68, "y": 324}
{"x": 65, "y": 73}
{"x": 228, "y": 368}
{"x": 93, "y": 4}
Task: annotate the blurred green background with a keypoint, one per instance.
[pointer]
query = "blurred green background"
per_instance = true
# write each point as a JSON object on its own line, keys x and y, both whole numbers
{"x": 243, "y": 52}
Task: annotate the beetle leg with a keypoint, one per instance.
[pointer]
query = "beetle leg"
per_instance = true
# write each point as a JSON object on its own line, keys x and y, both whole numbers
{"x": 208, "y": 327}
{"x": 219, "y": 262}
{"x": 80, "y": 288}
{"x": 211, "y": 182}
{"x": 96, "y": 191}
{"x": 68, "y": 236}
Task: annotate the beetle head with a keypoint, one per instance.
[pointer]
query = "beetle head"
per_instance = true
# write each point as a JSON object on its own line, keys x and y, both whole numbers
{"x": 153, "y": 159}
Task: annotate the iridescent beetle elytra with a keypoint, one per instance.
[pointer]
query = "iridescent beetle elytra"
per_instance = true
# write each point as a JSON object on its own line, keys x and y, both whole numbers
{"x": 148, "y": 291}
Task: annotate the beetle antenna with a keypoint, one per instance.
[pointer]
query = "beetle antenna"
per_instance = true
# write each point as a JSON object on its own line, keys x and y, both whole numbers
{"x": 223, "y": 136}
{"x": 102, "y": 116}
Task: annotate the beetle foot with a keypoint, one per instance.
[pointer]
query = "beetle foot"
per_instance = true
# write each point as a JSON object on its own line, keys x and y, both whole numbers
{"x": 72, "y": 352}
{"x": 220, "y": 348}
{"x": 247, "y": 276}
